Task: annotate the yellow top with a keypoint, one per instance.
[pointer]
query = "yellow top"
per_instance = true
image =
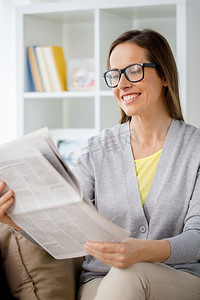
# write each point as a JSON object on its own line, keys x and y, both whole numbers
{"x": 145, "y": 171}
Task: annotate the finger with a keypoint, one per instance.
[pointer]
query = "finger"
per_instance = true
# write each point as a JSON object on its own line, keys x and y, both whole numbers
{"x": 5, "y": 197}
{"x": 4, "y": 207}
{"x": 98, "y": 255}
{"x": 104, "y": 252}
{"x": 109, "y": 259}
{"x": 102, "y": 255}
{"x": 103, "y": 247}
{"x": 2, "y": 185}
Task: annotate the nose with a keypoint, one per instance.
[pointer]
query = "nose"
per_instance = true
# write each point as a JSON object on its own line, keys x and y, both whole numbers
{"x": 124, "y": 83}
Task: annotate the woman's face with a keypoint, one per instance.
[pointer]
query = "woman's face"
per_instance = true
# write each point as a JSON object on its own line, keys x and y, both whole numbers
{"x": 143, "y": 97}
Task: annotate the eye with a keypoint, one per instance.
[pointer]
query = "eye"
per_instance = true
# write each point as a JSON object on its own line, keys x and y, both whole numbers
{"x": 135, "y": 72}
{"x": 112, "y": 75}
{"x": 136, "y": 69}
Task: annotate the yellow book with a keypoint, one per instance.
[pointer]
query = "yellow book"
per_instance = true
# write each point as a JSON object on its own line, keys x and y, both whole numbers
{"x": 59, "y": 59}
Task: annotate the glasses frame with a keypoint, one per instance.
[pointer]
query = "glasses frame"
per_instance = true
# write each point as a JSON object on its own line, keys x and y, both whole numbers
{"x": 123, "y": 71}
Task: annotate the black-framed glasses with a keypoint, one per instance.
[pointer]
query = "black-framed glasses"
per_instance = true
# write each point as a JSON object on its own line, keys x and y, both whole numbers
{"x": 133, "y": 73}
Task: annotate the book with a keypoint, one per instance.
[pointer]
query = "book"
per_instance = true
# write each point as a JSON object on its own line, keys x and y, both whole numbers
{"x": 56, "y": 65}
{"x": 43, "y": 66}
{"x": 29, "y": 81}
{"x": 34, "y": 50}
{"x": 50, "y": 205}
{"x": 34, "y": 69}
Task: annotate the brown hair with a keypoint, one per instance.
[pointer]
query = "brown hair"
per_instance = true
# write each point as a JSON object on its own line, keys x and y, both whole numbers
{"x": 160, "y": 53}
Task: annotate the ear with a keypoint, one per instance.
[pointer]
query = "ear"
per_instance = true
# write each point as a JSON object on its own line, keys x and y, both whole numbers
{"x": 164, "y": 82}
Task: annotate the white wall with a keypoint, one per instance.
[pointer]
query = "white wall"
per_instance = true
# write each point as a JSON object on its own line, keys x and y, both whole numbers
{"x": 7, "y": 69}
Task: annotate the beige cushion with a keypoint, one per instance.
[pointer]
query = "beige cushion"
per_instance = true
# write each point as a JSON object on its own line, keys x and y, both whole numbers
{"x": 32, "y": 273}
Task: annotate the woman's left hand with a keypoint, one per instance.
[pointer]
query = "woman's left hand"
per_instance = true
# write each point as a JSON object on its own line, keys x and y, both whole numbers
{"x": 130, "y": 251}
{"x": 118, "y": 255}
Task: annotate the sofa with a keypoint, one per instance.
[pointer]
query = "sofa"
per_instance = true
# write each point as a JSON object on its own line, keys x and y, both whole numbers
{"x": 28, "y": 272}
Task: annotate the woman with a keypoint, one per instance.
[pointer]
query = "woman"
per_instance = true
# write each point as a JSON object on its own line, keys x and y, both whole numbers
{"x": 143, "y": 175}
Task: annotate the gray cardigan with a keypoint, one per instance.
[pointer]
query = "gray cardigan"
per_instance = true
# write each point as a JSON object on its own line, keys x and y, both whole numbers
{"x": 106, "y": 172}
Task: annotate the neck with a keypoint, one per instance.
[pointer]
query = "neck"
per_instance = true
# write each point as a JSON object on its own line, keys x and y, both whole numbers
{"x": 150, "y": 130}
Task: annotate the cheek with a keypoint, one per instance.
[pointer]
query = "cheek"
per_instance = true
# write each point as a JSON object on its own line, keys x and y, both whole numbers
{"x": 115, "y": 92}
{"x": 119, "y": 102}
{"x": 117, "y": 95}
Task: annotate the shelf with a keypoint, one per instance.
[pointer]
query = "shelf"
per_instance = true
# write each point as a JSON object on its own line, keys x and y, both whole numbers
{"x": 67, "y": 94}
{"x": 67, "y": 16}
{"x": 57, "y": 95}
{"x": 85, "y": 29}
{"x": 107, "y": 93}
{"x": 141, "y": 12}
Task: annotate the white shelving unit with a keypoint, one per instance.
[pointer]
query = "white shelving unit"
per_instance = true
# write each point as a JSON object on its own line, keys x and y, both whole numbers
{"x": 85, "y": 29}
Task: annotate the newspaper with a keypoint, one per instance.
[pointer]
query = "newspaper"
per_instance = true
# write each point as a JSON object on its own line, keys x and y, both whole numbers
{"x": 49, "y": 203}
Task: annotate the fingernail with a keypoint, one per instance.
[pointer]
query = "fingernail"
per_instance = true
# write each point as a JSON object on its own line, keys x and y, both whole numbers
{"x": 1, "y": 183}
{"x": 10, "y": 192}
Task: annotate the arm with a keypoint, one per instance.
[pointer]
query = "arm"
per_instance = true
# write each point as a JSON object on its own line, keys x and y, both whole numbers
{"x": 182, "y": 248}
{"x": 130, "y": 251}
{"x": 185, "y": 247}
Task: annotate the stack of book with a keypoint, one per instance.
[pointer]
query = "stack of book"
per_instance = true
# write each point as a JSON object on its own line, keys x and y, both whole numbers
{"x": 47, "y": 68}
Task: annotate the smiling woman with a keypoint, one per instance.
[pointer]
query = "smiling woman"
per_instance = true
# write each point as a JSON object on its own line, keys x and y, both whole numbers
{"x": 144, "y": 175}
{"x": 143, "y": 75}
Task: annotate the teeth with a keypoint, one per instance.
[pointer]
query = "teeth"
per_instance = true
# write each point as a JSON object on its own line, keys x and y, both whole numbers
{"x": 129, "y": 97}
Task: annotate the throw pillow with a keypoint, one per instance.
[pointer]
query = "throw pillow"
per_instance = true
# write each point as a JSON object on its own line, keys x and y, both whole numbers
{"x": 32, "y": 273}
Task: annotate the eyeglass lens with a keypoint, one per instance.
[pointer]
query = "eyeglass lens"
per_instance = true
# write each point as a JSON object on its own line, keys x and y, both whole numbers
{"x": 133, "y": 73}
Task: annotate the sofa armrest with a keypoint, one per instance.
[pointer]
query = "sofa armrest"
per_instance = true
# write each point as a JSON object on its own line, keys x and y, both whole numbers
{"x": 32, "y": 273}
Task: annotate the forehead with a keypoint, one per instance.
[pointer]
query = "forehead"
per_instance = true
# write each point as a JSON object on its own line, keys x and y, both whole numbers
{"x": 127, "y": 53}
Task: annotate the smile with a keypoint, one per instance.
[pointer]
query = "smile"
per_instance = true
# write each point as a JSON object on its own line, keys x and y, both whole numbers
{"x": 129, "y": 98}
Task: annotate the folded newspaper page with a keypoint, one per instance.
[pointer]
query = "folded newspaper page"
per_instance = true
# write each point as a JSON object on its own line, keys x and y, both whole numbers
{"x": 49, "y": 203}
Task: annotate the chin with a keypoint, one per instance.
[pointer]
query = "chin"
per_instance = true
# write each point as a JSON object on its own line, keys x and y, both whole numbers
{"x": 131, "y": 113}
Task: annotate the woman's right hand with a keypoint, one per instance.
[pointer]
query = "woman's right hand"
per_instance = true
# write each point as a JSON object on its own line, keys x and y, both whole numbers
{"x": 6, "y": 200}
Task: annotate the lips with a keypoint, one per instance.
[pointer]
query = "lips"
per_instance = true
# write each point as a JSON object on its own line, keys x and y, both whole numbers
{"x": 130, "y": 97}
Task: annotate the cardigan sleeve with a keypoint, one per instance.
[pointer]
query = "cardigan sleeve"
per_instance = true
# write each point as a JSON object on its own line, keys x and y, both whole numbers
{"x": 185, "y": 247}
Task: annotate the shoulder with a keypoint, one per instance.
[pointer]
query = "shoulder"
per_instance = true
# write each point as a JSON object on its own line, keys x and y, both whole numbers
{"x": 108, "y": 138}
{"x": 108, "y": 142}
{"x": 186, "y": 137}
{"x": 98, "y": 144}
{"x": 190, "y": 132}
{"x": 109, "y": 133}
